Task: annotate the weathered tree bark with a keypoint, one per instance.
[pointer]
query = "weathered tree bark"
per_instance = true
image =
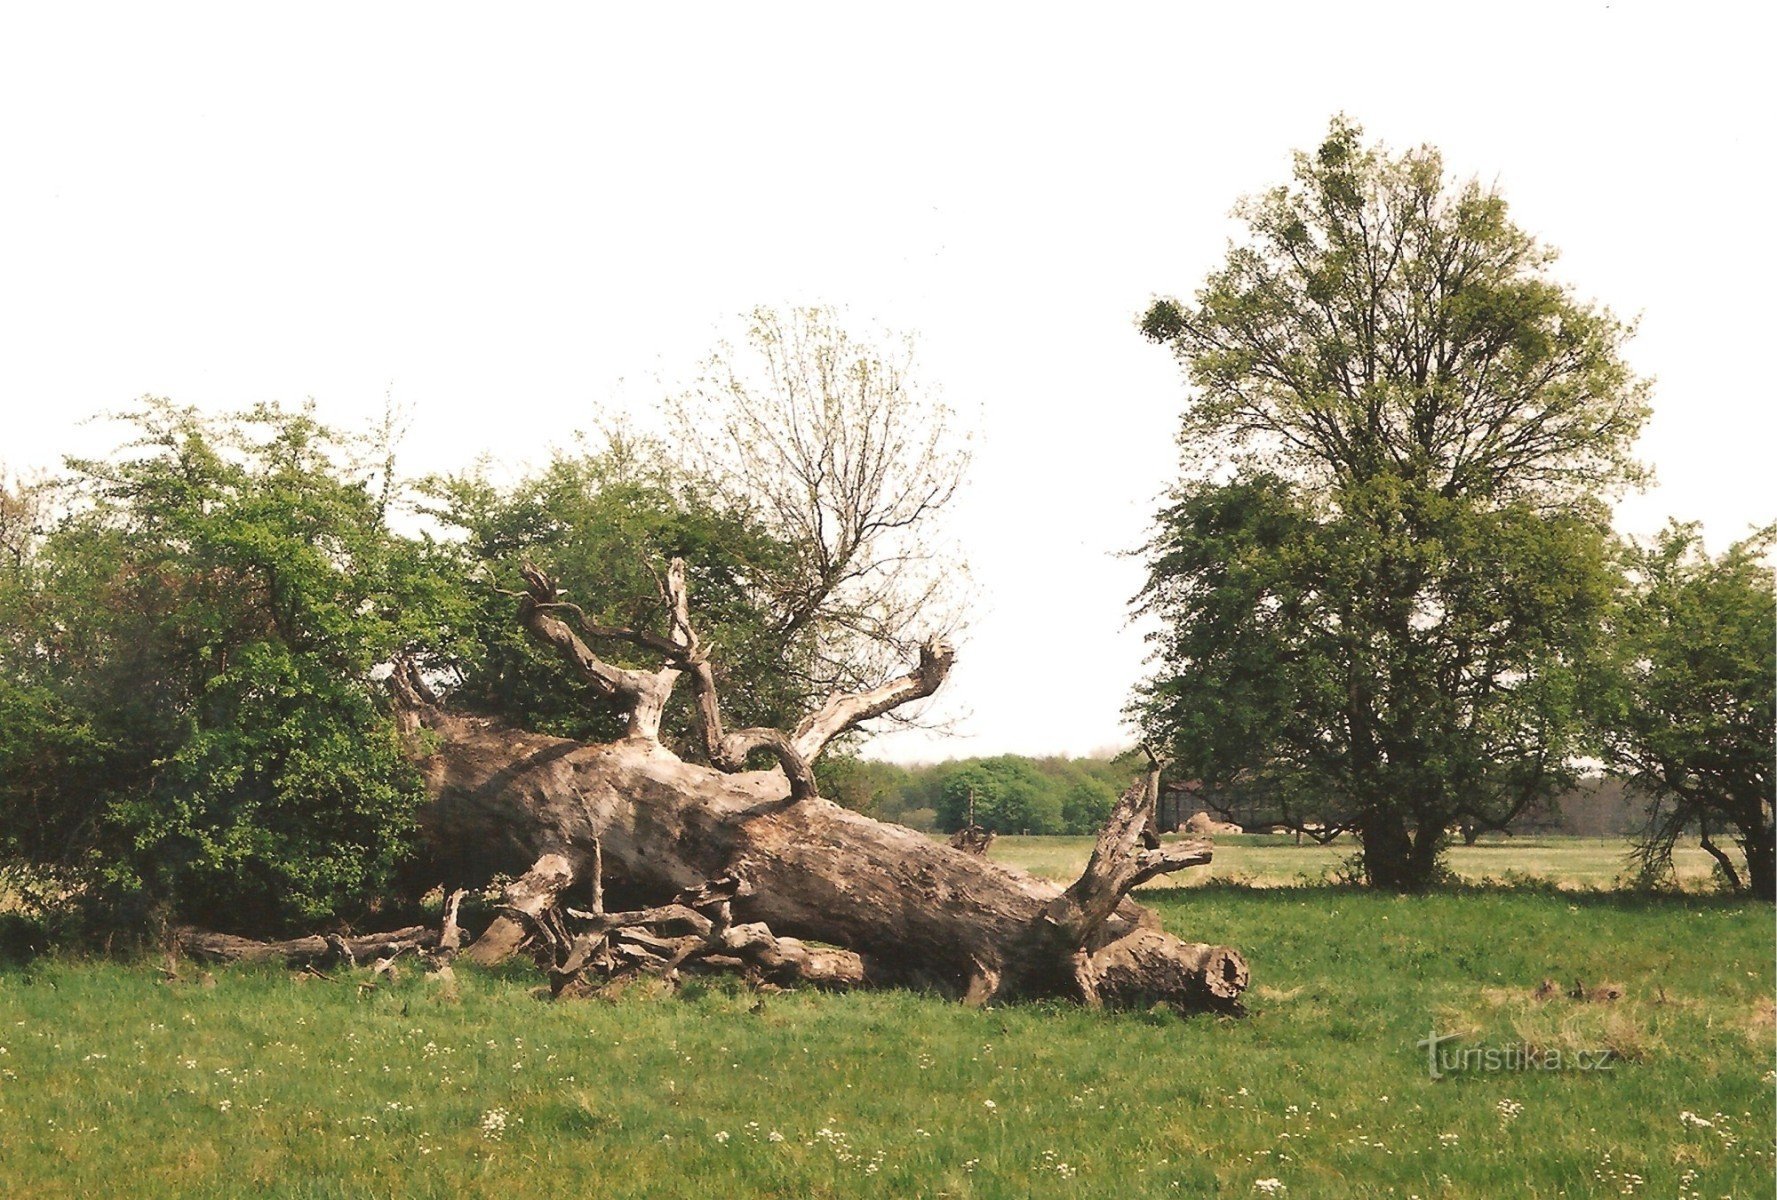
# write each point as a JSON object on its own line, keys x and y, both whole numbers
{"x": 1761, "y": 858}
{"x": 226, "y": 947}
{"x": 632, "y": 819}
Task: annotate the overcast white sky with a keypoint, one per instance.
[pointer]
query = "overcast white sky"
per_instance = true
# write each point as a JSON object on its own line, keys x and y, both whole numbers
{"x": 513, "y": 218}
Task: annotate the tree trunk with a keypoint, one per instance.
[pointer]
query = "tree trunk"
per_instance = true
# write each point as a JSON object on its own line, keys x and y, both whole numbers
{"x": 1388, "y": 848}
{"x": 1761, "y": 861}
{"x": 710, "y": 846}
{"x": 917, "y": 912}
{"x": 1398, "y": 858}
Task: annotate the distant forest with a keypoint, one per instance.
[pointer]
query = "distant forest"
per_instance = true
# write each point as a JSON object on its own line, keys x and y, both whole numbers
{"x": 1013, "y": 793}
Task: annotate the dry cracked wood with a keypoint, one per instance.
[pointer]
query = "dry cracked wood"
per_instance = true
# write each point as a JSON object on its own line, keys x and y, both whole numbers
{"x": 727, "y": 868}
{"x": 225, "y": 947}
{"x": 902, "y": 907}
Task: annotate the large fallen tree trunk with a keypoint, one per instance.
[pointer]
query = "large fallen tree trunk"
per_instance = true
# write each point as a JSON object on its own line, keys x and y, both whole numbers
{"x": 630, "y": 817}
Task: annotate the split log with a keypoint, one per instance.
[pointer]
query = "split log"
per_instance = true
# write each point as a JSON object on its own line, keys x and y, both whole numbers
{"x": 566, "y": 817}
{"x": 524, "y": 905}
{"x": 226, "y": 947}
{"x": 450, "y": 937}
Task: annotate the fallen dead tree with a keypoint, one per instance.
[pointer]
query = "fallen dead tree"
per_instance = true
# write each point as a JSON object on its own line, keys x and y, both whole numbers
{"x": 303, "y": 951}
{"x": 728, "y": 867}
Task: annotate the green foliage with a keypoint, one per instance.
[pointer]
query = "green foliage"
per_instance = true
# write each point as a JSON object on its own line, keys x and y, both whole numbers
{"x": 1380, "y": 577}
{"x": 1688, "y": 715}
{"x": 190, "y": 719}
{"x": 605, "y": 523}
{"x": 191, "y": 629}
{"x": 1086, "y": 804}
{"x": 1009, "y": 796}
{"x": 1291, "y": 681}
{"x": 876, "y": 789}
{"x": 1013, "y": 793}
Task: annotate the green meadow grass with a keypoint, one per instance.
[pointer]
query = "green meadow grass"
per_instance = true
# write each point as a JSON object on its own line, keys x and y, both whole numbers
{"x": 248, "y": 1083}
{"x": 1264, "y": 860}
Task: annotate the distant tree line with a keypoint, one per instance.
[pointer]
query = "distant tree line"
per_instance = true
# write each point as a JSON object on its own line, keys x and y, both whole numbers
{"x": 1010, "y": 793}
{"x": 1606, "y": 806}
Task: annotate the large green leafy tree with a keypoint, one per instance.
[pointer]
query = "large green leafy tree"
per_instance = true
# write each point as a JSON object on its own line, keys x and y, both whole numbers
{"x": 189, "y": 719}
{"x": 1379, "y": 574}
{"x": 1690, "y": 718}
{"x": 1009, "y": 795}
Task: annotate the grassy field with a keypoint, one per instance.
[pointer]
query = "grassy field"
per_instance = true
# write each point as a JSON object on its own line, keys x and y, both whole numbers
{"x": 1263, "y": 860}
{"x": 113, "y": 1082}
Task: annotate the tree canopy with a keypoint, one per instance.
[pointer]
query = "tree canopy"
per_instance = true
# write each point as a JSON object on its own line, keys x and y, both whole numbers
{"x": 195, "y": 631}
{"x": 606, "y": 519}
{"x": 1382, "y": 320}
{"x": 189, "y": 720}
{"x": 1688, "y": 714}
{"x": 1380, "y": 574}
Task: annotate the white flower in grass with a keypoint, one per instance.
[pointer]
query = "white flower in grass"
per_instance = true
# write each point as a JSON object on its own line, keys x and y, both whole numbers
{"x": 988, "y": 1104}
{"x": 493, "y": 1123}
{"x": 1269, "y": 1186}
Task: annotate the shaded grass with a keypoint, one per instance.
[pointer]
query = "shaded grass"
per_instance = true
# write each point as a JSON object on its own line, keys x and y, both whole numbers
{"x": 112, "y": 1082}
